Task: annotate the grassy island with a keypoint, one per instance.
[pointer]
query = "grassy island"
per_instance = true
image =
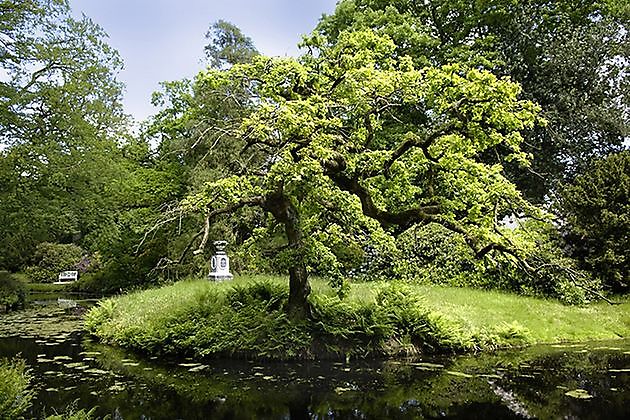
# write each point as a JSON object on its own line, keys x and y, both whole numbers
{"x": 246, "y": 318}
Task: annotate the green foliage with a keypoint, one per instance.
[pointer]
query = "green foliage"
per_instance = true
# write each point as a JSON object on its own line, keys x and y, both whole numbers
{"x": 433, "y": 254}
{"x": 227, "y": 45}
{"x": 12, "y": 291}
{"x": 51, "y": 259}
{"x": 596, "y": 208}
{"x": 555, "y": 275}
{"x": 61, "y": 124}
{"x": 15, "y": 394}
{"x": 73, "y": 413}
{"x": 69, "y": 170}
{"x": 575, "y": 70}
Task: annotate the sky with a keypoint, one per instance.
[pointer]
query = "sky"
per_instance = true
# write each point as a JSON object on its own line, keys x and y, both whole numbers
{"x": 163, "y": 40}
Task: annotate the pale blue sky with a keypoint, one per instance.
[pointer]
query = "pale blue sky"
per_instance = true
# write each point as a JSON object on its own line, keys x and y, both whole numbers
{"x": 163, "y": 39}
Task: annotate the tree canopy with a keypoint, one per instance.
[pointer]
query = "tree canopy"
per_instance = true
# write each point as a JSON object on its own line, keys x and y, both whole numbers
{"x": 60, "y": 125}
{"x": 570, "y": 57}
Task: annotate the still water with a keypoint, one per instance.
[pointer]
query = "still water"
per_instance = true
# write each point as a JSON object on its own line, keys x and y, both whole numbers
{"x": 581, "y": 381}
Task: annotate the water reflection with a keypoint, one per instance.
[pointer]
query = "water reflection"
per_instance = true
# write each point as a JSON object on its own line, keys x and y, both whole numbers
{"x": 589, "y": 380}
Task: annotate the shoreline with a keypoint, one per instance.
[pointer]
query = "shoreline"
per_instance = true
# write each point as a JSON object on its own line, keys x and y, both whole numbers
{"x": 245, "y": 319}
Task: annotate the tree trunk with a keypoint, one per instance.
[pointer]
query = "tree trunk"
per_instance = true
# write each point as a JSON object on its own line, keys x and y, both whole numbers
{"x": 299, "y": 288}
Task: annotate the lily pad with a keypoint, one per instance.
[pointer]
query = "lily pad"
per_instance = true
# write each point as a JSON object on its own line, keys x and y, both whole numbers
{"x": 581, "y": 394}
{"x": 429, "y": 365}
{"x": 189, "y": 365}
{"x": 96, "y": 371}
{"x": 90, "y": 353}
{"x": 460, "y": 374}
{"x": 74, "y": 365}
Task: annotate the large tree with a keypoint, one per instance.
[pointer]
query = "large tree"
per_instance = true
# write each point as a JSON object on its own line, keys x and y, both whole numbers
{"x": 61, "y": 123}
{"x": 360, "y": 142}
{"x": 569, "y": 56}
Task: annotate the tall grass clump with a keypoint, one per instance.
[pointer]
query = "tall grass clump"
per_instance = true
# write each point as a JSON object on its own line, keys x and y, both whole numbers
{"x": 395, "y": 322}
{"x": 72, "y": 412}
{"x": 15, "y": 394}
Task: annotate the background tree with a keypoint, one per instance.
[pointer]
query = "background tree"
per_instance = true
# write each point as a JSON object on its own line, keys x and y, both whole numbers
{"x": 194, "y": 130}
{"x": 597, "y": 207}
{"x": 569, "y": 56}
{"x": 61, "y": 124}
{"x": 227, "y": 45}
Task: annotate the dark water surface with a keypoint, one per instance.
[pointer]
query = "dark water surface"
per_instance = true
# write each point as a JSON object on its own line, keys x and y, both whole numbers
{"x": 581, "y": 381}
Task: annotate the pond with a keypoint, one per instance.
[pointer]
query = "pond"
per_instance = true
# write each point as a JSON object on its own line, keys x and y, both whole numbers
{"x": 585, "y": 381}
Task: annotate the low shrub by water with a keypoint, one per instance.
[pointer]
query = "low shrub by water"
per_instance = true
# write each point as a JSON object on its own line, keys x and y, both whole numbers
{"x": 15, "y": 394}
{"x": 12, "y": 292}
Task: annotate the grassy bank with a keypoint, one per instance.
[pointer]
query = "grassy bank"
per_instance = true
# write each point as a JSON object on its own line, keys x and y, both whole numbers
{"x": 246, "y": 318}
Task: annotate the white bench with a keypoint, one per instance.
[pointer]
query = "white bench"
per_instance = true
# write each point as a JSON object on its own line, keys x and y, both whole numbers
{"x": 67, "y": 277}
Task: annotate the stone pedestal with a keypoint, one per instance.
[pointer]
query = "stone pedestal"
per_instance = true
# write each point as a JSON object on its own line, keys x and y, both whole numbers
{"x": 220, "y": 263}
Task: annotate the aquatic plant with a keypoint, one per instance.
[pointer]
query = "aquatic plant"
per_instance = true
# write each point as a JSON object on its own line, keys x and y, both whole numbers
{"x": 15, "y": 394}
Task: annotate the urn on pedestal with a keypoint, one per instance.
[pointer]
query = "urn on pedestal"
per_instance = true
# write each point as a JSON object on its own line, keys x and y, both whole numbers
{"x": 220, "y": 263}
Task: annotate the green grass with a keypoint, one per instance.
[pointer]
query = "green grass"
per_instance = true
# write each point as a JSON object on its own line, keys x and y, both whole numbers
{"x": 548, "y": 321}
{"x": 247, "y": 318}
{"x": 45, "y": 287}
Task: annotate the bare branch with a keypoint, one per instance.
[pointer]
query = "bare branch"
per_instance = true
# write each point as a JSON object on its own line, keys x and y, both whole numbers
{"x": 206, "y": 232}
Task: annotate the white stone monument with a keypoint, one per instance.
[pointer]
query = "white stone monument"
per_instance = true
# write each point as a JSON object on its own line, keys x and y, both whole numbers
{"x": 220, "y": 263}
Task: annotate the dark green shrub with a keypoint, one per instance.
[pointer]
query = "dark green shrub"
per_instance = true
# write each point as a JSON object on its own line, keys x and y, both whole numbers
{"x": 272, "y": 296}
{"x": 551, "y": 274}
{"x": 51, "y": 259}
{"x": 432, "y": 254}
{"x": 12, "y": 292}
{"x": 596, "y": 209}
